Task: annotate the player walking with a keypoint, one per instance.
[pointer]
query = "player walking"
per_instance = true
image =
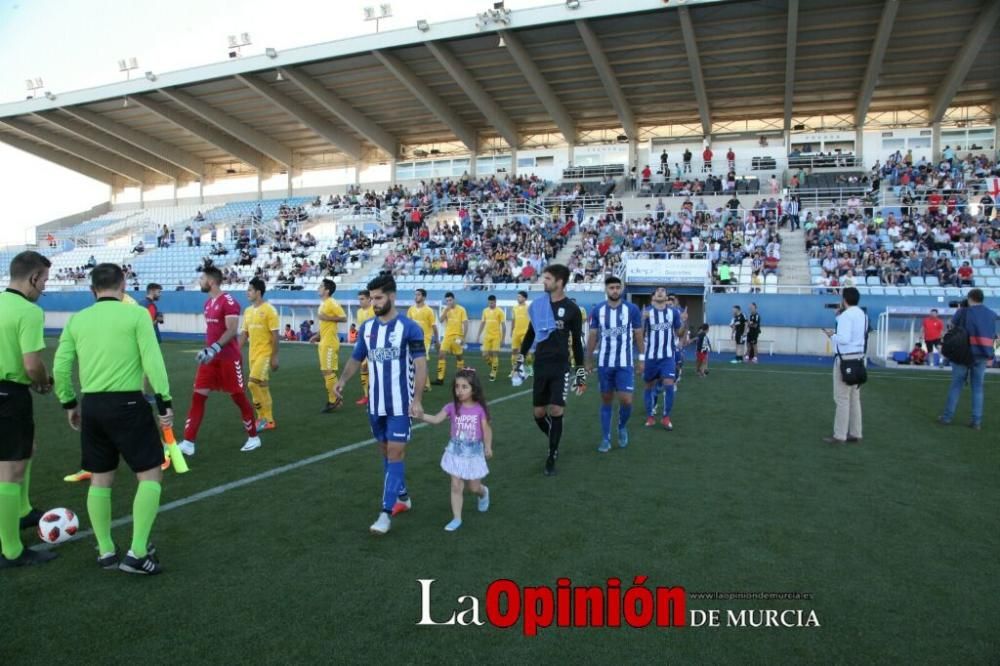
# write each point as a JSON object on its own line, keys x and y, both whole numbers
{"x": 521, "y": 320}
{"x": 456, "y": 326}
{"x": 555, "y": 324}
{"x": 615, "y": 325}
{"x": 364, "y": 313}
{"x": 220, "y": 363}
{"x": 492, "y": 321}
{"x": 423, "y": 315}
{"x": 330, "y": 314}
{"x": 394, "y": 348}
{"x": 116, "y": 345}
{"x": 260, "y": 328}
{"x": 21, "y": 370}
{"x": 663, "y": 327}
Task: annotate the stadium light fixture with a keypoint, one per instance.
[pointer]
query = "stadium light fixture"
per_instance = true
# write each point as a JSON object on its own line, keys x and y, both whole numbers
{"x": 499, "y": 16}
{"x": 236, "y": 43}
{"x": 502, "y": 43}
{"x": 50, "y": 94}
{"x": 271, "y": 53}
{"x": 279, "y": 77}
{"x": 150, "y": 76}
{"x": 128, "y": 65}
{"x": 572, "y": 4}
{"x": 384, "y": 12}
{"x": 33, "y": 86}
{"x": 423, "y": 26}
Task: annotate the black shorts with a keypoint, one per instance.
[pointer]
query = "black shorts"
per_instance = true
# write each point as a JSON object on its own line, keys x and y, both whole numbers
{"x": 752, "y": 337}
{"x": 551, "y": 385}
{"x": 17, "y": 422}
{"x": 116, "y": 424}
{"x": 931, "y": 344}
{"x": 740, "y": 336}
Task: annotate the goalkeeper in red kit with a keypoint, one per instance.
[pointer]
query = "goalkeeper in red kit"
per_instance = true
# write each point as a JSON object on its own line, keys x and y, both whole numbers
{"x": 220, "y": 364}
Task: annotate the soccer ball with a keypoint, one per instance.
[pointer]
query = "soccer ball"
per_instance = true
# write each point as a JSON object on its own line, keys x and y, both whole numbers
{"x": 58, "y": 525}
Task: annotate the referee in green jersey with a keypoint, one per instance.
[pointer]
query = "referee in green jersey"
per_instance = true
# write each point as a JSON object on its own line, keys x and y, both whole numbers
{"x": 21, "y": 343}
{"x": 116, "y": 344}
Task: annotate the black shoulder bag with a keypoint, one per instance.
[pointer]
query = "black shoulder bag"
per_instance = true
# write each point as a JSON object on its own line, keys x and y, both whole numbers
{"x": 853, "y": 371}
{"x": 955, "y": 345}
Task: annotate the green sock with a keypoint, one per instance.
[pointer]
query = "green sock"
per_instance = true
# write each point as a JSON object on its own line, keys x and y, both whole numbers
{"x": 99, "y": 510}
{"x": 10, "y": 528}
{"x": 25, "y": 487}
{"x": 144, "y": 508}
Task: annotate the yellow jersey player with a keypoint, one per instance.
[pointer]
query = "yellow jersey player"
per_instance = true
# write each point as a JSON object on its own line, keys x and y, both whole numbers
{"x": 456, "y": 325}
{"x": 260, "y": 327}
{"x": 330, "y": 314}
{"x": 520, "y": 316}
{"x": 492, "y": 322}
{"x": 423, "y": 315}
{"x": 365, "y": 312}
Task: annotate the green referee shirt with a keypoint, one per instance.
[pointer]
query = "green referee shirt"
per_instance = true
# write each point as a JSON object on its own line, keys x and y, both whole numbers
{"x": 116, "y": 345}
{"x": 22, "y": 325}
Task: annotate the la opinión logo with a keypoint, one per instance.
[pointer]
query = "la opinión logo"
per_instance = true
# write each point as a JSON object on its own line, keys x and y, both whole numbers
{"x": 539, "y": 607}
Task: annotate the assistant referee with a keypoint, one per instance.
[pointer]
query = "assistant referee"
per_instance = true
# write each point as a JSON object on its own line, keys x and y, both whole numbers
{"x": 116, "y": 345}
{"x": 21, "y": 367}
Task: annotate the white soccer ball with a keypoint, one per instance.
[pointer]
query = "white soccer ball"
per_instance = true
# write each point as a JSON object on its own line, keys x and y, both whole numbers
{"x": 58, "y": 525}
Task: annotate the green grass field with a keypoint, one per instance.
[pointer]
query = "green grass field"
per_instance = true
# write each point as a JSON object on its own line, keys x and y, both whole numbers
{"x": 897, "y": 539}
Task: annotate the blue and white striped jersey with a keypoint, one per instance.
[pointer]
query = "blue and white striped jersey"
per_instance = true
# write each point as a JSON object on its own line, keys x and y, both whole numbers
{"x": 660, "y": 328}
{"x": 390, "y": 347}
{"x": 615, "y": 326}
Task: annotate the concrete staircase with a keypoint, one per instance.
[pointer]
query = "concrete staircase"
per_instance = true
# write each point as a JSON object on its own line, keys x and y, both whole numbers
{"x": 794, "y": 259}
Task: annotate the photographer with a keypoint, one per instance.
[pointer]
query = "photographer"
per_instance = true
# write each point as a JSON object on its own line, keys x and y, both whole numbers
{"x": 849, "y": 342}
{"x": 980, "y": 326}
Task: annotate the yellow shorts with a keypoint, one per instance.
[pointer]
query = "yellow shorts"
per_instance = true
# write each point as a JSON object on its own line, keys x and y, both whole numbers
{"x": 260, "y": 368}
{"x": 452, "y": 344}
{"x": 491, "y": 343}
{"x": 329, "y": 358}
{"x": 515, "y": 341}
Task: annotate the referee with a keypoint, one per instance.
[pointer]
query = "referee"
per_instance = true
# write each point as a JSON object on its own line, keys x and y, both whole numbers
{"x": 116, "y": 345}
{"x": 21, "y": 366}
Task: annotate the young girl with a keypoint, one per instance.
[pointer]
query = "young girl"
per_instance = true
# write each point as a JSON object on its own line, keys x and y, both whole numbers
{"x": 471, "y": 442}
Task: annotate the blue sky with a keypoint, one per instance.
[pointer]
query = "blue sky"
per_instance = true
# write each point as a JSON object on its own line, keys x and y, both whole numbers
{"x": 75, "y": 44}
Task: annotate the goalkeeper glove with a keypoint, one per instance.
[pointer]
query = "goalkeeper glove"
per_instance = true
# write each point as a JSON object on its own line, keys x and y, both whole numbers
{"x": 208, "y": 353}
{"x": 517, "y": 377}
{"x": 580, "y": 381}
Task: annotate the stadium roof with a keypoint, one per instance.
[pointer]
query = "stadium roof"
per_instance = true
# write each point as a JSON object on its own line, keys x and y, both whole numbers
{"x": 561, "y": 70}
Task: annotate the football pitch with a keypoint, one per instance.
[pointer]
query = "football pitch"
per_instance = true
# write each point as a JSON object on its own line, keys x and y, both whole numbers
{"x": 268, "y": 558}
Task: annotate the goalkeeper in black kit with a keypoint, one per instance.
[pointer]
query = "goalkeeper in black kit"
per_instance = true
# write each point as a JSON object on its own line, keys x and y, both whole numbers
{"x": 555, "y": 323}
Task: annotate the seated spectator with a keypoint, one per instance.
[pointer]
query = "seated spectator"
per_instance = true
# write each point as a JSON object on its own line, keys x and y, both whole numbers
{"x": 965, "y": 275}
{"x": 289, "y": 334}
{"x": 917, "y": 356}
{"x": 352, "y": 334}
{"x": 91, "y": 262}
{"x": 305, "y": 330}
{"x": 138, "y": 249}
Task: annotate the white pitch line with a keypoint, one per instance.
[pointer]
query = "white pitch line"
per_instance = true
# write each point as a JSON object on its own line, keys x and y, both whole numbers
{"x": 239, "y": 483}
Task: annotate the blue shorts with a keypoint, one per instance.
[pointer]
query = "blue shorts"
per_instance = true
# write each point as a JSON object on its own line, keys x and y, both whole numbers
{"x": 661, "y": 368}
{"x": 390, "y": 428}
{"x": 616, "y": 379}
